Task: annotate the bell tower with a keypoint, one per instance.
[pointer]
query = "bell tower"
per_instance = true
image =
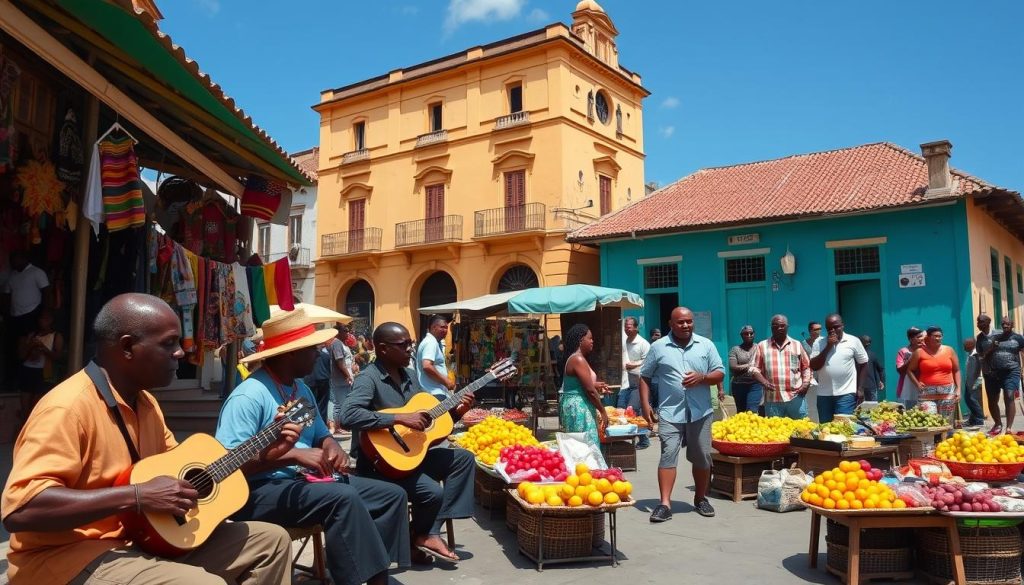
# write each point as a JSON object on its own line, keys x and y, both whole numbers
{"x": 590, "y": 23}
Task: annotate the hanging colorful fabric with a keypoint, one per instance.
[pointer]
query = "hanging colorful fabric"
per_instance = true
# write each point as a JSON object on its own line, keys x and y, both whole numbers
{"x": 41, "y": 189}
{"x": 283, "y": 284}
{"x": 268, "y": 282}
{"x": 261, "y": 197}
{"x": 123, "y": 206}
{"x": 258, "y": 294}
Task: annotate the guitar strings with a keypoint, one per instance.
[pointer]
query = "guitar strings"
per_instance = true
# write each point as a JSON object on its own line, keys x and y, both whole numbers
{"x": 207, "y": 480}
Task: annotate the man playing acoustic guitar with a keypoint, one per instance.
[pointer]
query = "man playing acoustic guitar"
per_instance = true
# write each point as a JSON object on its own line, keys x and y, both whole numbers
{"x": 389, "y": 383}
{"x": 58, "y": 503}
{"x": 365, "y": 521}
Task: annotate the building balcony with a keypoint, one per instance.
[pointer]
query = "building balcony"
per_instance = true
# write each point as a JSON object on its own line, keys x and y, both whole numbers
{"x": 297, "y": 257}
{"x": 509, "y": 220}
{"x": 355, "y": 156}
{"x": 435, "y": 137}
{"x": 429, "y": 231}
{"x": 351, "y": 242}
{"x": 512, "y": 120}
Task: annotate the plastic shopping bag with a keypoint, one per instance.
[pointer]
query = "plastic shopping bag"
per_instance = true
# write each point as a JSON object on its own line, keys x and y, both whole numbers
{"x": 779, "y": 491}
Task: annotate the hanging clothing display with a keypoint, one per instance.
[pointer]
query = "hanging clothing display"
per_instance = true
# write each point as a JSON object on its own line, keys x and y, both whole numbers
{"x": 262, "y": 197}
{"x": 114, "y": 191}
{"x": 69, "y": 153}
{"x": 9, "y": 74}
{"x": 209, "y": 228}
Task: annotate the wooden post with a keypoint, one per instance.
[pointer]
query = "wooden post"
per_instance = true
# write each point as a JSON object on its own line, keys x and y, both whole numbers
{"x": 83, "y": 231}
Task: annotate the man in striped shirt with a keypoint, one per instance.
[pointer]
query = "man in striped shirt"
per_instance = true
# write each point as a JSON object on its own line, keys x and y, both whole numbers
{"x": 781, "y": 365}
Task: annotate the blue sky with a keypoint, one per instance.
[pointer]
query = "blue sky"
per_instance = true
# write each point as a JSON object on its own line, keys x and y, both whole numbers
{"x": 731, "y": 81}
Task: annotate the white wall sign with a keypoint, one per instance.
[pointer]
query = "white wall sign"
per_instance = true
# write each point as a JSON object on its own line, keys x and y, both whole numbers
{"x": 911, "y": 269}
{"x": 740, "y": 239}
{"x": 912, "y": 280}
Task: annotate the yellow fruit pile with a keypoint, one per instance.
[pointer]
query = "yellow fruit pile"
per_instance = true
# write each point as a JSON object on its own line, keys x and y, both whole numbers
{"x": 977, "y": 448}
{"x": 847, "y": 488}
{"x": 486, "y": 439}
{"x": 577, "y": 490}
{"x": 748, "y": 427}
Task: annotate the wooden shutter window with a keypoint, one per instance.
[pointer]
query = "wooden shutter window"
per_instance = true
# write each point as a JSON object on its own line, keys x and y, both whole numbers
{"x": 356, "y": 223}
{"x": 606, "y": 195}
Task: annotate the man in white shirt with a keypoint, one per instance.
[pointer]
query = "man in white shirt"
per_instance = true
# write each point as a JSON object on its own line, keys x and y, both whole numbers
{"x": 25, "y": 285}
{"x": 431, "y": 368}
{"x": 634, "y": 353}
{"x": 840, "y": 361}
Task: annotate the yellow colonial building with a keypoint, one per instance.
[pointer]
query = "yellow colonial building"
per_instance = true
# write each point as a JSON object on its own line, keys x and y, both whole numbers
{"x": 461, "y": 176}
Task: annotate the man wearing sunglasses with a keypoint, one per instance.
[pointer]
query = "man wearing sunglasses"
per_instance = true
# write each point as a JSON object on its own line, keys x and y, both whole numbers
{"x": 390, "y": 383}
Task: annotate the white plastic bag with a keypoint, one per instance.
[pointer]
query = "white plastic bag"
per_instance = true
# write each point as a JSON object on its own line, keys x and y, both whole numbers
{"x": 575, "y": 449}
{"x": 779, "y": 491}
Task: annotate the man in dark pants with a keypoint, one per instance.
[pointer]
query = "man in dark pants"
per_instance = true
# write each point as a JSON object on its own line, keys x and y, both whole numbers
{"x": 389, "y": 383}
{"x": 365, "y": 521}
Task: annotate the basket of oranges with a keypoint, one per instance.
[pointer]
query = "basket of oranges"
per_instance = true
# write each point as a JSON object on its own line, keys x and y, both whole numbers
{"x": 584, "y": 491}
{"x": 974, "y": 456}
{"x": 854, "y": 487}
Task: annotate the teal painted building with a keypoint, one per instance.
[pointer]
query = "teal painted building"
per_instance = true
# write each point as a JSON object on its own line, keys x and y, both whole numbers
{"x": 873, "y": 238}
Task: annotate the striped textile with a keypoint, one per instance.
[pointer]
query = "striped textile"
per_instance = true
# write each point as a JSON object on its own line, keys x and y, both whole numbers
{"x": 122, "y": 189}
{"x": 787, "y": 367}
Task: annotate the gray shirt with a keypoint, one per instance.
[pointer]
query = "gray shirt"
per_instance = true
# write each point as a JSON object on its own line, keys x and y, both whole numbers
{"x": 1005, "y": 355}
{"x": 741, "y": 357}
{"x": 375, "y": 390}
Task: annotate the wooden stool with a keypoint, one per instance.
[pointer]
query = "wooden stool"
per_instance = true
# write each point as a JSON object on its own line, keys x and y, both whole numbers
{"x": 449, "y": 529}
{"x": 315, "y": 533}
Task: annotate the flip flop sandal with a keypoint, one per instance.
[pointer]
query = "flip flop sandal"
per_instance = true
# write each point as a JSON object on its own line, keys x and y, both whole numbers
{"x": 437, "y": 555}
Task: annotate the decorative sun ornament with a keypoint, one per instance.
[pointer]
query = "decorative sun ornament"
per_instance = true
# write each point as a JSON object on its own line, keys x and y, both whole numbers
{"x": 41, "y": 189}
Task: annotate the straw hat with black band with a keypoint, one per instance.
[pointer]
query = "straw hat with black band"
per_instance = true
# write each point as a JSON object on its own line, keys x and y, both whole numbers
{"x": 286, "y": 331}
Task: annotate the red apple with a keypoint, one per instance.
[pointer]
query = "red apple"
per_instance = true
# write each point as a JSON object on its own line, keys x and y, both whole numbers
{"x": 865, "y": 465}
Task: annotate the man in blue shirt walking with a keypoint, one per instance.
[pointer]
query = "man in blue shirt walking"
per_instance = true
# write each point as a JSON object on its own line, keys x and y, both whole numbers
{"x": 684, "y": 366}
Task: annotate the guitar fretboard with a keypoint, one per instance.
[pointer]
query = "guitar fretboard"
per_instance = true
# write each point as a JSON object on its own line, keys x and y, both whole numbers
{"x": 233, "y": 460}
{"x": 453, "y": 400}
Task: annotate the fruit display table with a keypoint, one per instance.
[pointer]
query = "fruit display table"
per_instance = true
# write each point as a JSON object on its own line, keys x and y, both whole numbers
{"x": 819, "y": 460}
{"x": 736, "y": 477}
{"x": 857, "y": 521}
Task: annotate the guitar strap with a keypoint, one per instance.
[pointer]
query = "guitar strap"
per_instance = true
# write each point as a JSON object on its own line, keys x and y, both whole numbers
{"x": 99, "y": 379}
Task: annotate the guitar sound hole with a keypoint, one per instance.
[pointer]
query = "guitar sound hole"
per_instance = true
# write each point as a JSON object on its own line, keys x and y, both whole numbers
{"x": 201, "y": 481}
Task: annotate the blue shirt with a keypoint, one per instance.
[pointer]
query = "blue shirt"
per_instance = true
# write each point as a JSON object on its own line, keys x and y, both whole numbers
{"x": 431, "y": 349}
{"x": 252, "y": 406}
{"x": 665, "y": 365}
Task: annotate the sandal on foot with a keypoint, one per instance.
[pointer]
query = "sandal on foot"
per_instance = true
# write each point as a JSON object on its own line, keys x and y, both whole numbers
{"x": 438, "y": 555}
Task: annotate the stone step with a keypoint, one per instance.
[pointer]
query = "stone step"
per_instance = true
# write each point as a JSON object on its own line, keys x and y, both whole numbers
{"x": 192, "y": 422}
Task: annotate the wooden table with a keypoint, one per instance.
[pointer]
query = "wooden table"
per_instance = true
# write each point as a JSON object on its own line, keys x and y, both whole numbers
{"x": 856, "y": 522}
{"x": 728, "y": 466}
{"x": 819, "y": 460}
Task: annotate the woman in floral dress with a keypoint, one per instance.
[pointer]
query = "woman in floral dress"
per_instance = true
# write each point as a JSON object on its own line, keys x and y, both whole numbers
{"x": 579, "y": 403}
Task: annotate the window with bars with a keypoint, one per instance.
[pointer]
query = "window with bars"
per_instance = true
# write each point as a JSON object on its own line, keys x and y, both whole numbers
{"x": 661, "y": 276}
{"x": 749, "y": 269}
{"x": 857, "y": 260}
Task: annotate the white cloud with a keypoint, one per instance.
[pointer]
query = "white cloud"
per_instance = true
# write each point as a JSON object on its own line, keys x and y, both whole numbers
{"x": 667, "y": 131}
{"x": 212, "y": 7}
{"x": 670, "y": 102}
{"x": 463, "y": 11}
{"x": 538, "y": 15}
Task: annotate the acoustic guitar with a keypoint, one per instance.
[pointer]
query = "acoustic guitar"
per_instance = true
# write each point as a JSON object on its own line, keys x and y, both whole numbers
{"x": 214, "y": 472}
{"x": 397, "y": 451}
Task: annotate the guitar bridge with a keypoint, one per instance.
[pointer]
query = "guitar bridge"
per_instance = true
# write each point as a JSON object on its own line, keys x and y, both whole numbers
{"x": 180, "y": 520}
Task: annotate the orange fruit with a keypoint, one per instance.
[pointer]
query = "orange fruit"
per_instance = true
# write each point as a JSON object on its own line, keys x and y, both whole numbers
{"x": 899, "y": 504}
{"x": 629, "y": 488}
{"x": 805, "y": 496}
{"x": 535, "y": 496}
{"x": 524, "y": 488}
{"x": 856, "y": 505}
{"x": 815, "y": 500}
{"x": 862, "y": 494}
{"x": 843, "y": 505}
{"x": 870, "y": 504}
{"x": 575, "y": 501}
{"x": 839, "y": 477}
{"x": 585, "y": 478}
{"x": 829, "y": 504}
{"x": 863, "y": 484}
{"x": 835, "y": 495}
{"x": 830, "y": 484}
{"x": 573, "y": 480}
{"x": 581, "y": 468}
{"x": 554, "y": 501}
{"x": 611, "y": 498}
{"x": 851, "y": 482}
{"x": 861, "y": 474}
{"x": 820, "y": 480}
{"x": 595, "y": 498}
{"x": 827, "y": 475}
{"x": 849, "y": 496}
{"x": 582, "y": 491}
{"x": 885, "y": 504}
{"x": 603, "y": 485}
{"x": 566, "y": 491}
{"x": 823, "y": 491}
{"x": 619, "y": 487}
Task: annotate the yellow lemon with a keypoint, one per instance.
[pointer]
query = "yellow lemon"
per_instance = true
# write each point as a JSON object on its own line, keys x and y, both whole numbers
{"x": 566, "y": 491}
{"x": 575, "y": 501}
{"x": 603, "y": 485}
{"x": 535, "y": 496}
{"x": 554, "y": 501}
{"x": 573, "y": 480}
{"x": 581, "y": 468}
{"x": 595, "y": 498}
{"x": 585, "y": 478}
{"x": 611, "y": 498}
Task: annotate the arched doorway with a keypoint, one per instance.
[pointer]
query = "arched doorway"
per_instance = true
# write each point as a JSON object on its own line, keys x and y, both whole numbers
{"x": 437, "y": 289}
{"x": 359, "y": 304}
{"x": 518, "y": 277}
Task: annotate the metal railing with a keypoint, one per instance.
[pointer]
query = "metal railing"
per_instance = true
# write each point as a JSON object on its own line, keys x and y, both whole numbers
{"x": 512, "y": 120}
{"x": 424, "y": 231}
{"x": 355, "y": 156}
{"x": 351, "y": 242}
{"x": 296, "y": 257}
{"x": 509, "y": 220}
{"x": 431, "y": 138}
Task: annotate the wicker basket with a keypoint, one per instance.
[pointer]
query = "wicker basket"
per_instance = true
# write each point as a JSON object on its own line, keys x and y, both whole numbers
{"x": 750, "y": 449}
{"x": 490, "y": 491}
{"x": 873, "y": 561}
{"x": 992, "y": 556}
{"x": 873, "y": 538}
{"x": 598, "y": 530}
{"x": 621, "y": 454}
{"x": 512, "y": 512}
{"x": 985, "y": 471}
{"x": 565, "y": 537}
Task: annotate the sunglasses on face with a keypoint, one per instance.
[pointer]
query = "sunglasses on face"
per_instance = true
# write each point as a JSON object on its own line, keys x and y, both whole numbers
{"x": 401, "y": 344}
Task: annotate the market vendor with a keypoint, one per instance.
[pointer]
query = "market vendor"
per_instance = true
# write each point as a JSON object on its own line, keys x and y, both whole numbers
{"x": 431, "y": 368}
{"x": 685, "y": 366}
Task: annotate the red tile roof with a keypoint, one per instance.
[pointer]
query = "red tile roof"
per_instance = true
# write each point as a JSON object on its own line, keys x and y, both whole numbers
{"x": 308, "y": 161}
{"x": 861, "y": 178}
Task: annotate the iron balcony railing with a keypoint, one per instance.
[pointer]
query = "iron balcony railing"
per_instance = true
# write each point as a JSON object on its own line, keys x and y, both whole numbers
{"x": 431, "y": 138}
{"x": 447, "y": 228}
{"x": 512, "y": 120}
{"x": 351, "y": 242}
{"x": 509, "y": 220}
{"x": 296, "y": 257}
{"x": 355, "y": 156}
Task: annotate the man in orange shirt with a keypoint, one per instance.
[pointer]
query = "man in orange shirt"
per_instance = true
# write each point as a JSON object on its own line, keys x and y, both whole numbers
{"x": 58, "y": 504}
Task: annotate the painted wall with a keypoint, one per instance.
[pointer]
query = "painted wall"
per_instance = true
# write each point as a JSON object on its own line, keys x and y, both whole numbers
{"x": 985, "y": 235}
{"x": 562, "y": 151}
{"x": 935, "y": 237}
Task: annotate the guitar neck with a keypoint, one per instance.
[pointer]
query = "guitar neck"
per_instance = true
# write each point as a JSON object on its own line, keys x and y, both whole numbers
{"x": 453, "y": 400}
{"x": 234, "y": 459}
